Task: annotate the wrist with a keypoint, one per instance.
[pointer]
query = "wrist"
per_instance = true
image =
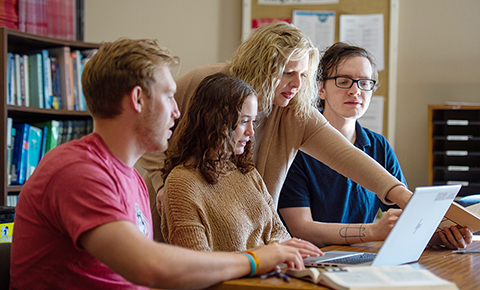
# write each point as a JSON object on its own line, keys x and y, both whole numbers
{"x": 254, "y": 262}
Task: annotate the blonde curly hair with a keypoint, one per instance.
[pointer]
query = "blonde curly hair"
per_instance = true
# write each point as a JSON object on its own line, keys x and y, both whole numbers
{"x": 261, "y": 59}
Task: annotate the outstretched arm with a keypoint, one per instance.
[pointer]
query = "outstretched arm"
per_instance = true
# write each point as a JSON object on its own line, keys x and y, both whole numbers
{"x": 330, "y": 147}
{"x": 122, "y": 247}
{"x": 300, "y": 223}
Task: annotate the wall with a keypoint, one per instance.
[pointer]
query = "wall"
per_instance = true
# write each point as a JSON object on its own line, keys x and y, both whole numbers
{"x": 438, "y": 61}
{"x": 198, "y": 31}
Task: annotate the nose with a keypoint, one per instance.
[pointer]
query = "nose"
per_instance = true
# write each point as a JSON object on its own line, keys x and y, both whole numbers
{"x": 354, "y": 89}
{"x": 175, "y": 111}
{"x": 296, "y": 81}
{"x": 250, "y": 131}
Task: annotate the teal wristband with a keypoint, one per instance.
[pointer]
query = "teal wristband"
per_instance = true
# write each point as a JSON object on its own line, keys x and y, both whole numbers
{"x": 252, "y": 263}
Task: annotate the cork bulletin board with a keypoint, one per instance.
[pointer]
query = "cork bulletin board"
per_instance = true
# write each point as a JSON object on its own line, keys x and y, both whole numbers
{"x": 389, "y": 9}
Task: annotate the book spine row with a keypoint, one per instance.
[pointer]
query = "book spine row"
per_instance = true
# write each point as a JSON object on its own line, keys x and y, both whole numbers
{"x": 54, "y": 18}
{"x": 9, "y": 14}
{"x": 49, "y": 79}
{"x": 27, "y": 143}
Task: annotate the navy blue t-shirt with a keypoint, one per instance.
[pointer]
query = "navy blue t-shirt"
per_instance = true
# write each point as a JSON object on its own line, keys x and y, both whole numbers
{"x": 331, "y": 196}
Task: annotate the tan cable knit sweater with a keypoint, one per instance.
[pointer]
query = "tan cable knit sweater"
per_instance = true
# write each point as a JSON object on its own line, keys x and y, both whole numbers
{"x": 233, "y": 215}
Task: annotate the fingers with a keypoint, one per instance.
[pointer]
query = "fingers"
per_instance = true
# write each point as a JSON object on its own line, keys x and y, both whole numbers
{"x": 468, "y": 235}
{"x": 305, "y": 248}
{"x": 453, "y": 238}
{"x": 395, "y": 212}
{"x": 274, "y": 254}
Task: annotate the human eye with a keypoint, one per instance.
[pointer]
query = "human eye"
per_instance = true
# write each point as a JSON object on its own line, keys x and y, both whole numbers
{"x": 367, "y": 84}
{"x": 344, "y": 81}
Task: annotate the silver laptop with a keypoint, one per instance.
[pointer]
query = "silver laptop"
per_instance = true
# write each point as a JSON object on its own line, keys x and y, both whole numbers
{"x": 409, "y": 236}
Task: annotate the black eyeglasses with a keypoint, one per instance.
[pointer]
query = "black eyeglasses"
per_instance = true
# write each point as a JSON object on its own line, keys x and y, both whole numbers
{"x": 346, "y": 83}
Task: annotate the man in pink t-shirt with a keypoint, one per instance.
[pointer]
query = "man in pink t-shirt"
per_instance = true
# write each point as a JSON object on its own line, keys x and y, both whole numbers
{"x": 83, "y": 218}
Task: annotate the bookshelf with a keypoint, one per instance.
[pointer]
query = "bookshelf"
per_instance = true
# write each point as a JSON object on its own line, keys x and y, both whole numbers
{"x": 14, "y": 41}
{"x": 454, "y": 146}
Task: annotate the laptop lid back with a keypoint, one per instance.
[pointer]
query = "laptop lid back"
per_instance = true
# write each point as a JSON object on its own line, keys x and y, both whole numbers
{"x": 416, "y": 225}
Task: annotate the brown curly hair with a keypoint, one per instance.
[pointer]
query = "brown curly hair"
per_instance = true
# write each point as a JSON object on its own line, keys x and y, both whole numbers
{"x": 204, "y": 138}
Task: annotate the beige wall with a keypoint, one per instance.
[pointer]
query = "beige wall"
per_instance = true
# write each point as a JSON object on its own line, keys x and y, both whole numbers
{"x": 438, "y": 61}
{"x": 438, "y": 54}
{"x": 199, "y": 31}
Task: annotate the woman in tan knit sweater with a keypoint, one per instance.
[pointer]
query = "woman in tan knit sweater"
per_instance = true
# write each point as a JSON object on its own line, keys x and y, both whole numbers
{"x": 279, "y": 61}
{"x": 214, "y": 198}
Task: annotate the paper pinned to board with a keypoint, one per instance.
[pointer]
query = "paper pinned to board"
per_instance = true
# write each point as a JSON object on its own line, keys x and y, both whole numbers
{"x": 318, "y": 25}
{"x": 365, "y": 30}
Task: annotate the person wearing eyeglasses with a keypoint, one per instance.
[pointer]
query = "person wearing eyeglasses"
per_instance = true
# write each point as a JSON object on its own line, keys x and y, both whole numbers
{"x": 322, "y": 206}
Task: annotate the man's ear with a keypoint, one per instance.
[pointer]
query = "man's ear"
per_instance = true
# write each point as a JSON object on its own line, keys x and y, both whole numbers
{"x": 321, "y": 90}
{"x": 137, "y": 98}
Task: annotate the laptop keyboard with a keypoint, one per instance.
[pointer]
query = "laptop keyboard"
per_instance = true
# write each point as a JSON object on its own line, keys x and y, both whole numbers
{"x": 356, "y": 259}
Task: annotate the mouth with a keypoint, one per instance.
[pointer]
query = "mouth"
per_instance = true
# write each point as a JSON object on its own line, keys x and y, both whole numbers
{"x": 354, "y": 103}
{"x": 288, "y": 95}
{"x": 243, "y": 143}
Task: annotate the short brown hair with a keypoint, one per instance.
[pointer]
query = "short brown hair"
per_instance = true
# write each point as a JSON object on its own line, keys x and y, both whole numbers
{"x": 117, "y": 68}
{"x": 338, "y": 53}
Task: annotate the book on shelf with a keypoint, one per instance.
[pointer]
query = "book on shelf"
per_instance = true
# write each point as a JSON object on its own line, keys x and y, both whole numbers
{"x": 78, "y": 63}
{"x": 43, "y": 144}
{"x": 18, "y": 91}
{"x": 22, "y": 15}
{"x": 47, "y": 79}
{"x": 36, "y": 86}
{"x": 65, "y": 74}
{"x": 19, "y": 161}
{"x": 26, "y": 81}
{"x": 10, "y": 78}
{"x": 10, "y": 141}
{"x": 75, "y": 68}
{"x": 51, "y": 128}
{"x": 12, "y": 200}
{"x": 56, "y": 93}
{"x": 34, "y": 150}
{"x": 9, "y": 14}
{"x": 80, "y": 19}
{"x": 367, "y": 277}
{"x": 53, "y": 18}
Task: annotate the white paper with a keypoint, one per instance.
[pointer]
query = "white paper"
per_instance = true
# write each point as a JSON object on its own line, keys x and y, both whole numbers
{"x": 318, "y": 25}
{"x": 292, "y": 2}
{"x": 365, "y": 31}
{"x": 373, "y": 117}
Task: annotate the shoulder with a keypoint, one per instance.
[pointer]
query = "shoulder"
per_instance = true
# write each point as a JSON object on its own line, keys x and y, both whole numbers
{"x": 289, "y": 119}
{"x": 201, "y": 72}
{"x": 374, "y": 138}
{"x": 184, "y": 180}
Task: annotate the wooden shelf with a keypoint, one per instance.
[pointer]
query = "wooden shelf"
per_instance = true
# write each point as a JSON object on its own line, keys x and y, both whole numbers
{"x": 454, "y": 146}
{"x": 24, "y": 43}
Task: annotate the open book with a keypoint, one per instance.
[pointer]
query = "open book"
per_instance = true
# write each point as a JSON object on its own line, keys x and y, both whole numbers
{"x": 367, "y": 277}
{"x": 459, "y": 216}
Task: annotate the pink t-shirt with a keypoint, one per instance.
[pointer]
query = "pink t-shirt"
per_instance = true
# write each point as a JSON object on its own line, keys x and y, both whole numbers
{"x": 76, "y": 187}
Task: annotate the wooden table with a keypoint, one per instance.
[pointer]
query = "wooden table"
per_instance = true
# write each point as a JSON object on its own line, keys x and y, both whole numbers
{"x": 463, "y": 269}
